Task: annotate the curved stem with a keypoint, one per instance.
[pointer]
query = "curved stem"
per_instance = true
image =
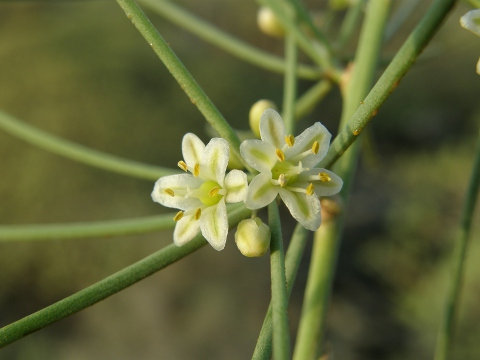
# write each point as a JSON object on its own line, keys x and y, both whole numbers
{"x": 78, "y": 152}
{"x": 106, "y": 287}
{"x": 290, "y": 85}
{"x": 229, "y": 43}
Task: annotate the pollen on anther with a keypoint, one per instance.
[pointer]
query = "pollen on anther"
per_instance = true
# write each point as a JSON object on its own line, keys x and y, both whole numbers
{"x": 280, "y": 155}
{"x": 324, "y": 177}
{"x": 282, "y": 180}
{"x": 196, "y": 170}
{"x": 309, "y": 190}
{"x": 178, "y": 216}
{"x": 181, "y": 164}
{"x": 170, "y": 192}
{"x": 198, "y": 213}
{"x": 214, "y": 191}
{"x": 315, "y": 147}
{"x": 290, "y": 140}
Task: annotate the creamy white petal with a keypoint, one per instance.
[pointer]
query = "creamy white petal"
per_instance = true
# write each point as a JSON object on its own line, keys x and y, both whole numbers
{"x": 260, "y": 192}
{"x": 305, "y": 209}
{"x": 215, "y": 160}
{"x": 304, "y": 142}
{"x": 471, "y": 21}
{"x": 185, "y": 230}
{"x": 192, "y": 149}
{"x": 258, "y": 154}
{"x": 236, "y": 185}
{"x": 178, "y": 185}
{"x": 272, "y": 128}
{"x": 327, "y": 188}
{"x": 214, "y": 225}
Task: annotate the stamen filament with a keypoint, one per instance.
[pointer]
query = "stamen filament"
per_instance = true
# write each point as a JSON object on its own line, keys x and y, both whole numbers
{"x": 282, "y": 180}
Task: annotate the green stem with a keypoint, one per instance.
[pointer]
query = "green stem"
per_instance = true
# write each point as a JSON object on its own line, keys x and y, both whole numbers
{"x": 106, "y": 287}
{"x": 445, "y": 334}
{"x": 80, "y": 153}
{"x": 307, "y": 102}
{"x": 348, "y": 25}
{"x": 182, "y": 75}
{"x": 281, "y": 337}
{"x": 390, "y": 79}
{"x": 290, "y": 85}
{"x": 229, "y": 43}
{"x": 293, "y": 257}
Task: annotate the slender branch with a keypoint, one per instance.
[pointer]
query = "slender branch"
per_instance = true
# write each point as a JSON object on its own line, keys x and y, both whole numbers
{"x": 78, "y": 152}
{"x": 106, "y": 287}
{"x": 348, "y": 25}
{"x": 290, "y": 85}
{"x": 229, "y": 43}
{"x": 307, "y": 101}
{"x": 445, "y": 334}
{"x": 390, "y": 79}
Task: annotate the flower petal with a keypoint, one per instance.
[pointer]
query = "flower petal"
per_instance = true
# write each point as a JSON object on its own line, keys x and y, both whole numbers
{"x": 214, "y": 225}
{"x": 272, "y": 128}
{"x": 305, "y": 209}
{"x": 215, "y": 160}
{"x": 185, "y": 230}
{"x": 304, "y": 142}
{"x": 236, "y": 185}
{"x": 178, "y": 185}
{"x": 471, "y": 21}
{"x": 192, "y": 149}
{"x": 330, "y": 185}
{"x": 260, "y": 192}
{"x": 258, "y": 154}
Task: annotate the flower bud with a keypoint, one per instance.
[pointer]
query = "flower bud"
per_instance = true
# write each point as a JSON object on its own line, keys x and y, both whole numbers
{"x": 269, "y": 24}
{"x": 252, "y": 237}
{"x": 256, "y": 112}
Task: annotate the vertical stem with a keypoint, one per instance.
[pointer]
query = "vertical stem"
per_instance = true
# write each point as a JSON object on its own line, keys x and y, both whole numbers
{"x": 445, "y": 334}
{"x": 281, "y": 337}
{"x": 290, "y": 84}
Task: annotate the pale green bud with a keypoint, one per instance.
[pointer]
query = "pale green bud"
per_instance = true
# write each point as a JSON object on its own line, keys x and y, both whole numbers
{"x": 268, "y": 23}
{"x": 252, "y": 237}
{"x": 256, "y": 112}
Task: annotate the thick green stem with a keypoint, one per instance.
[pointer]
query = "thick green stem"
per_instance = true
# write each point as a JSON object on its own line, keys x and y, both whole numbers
{"x": 390, "y": 79}
{"x": 445, "y": 333}
{"x": 281, "y": 337}
{"x": 78, "y": 152}
{"x": 106, "y": 287}
{"x": 230, "y": 44}
{"x": 290, "y": 85}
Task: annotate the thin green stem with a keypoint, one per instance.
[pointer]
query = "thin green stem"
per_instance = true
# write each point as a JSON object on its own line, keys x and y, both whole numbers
{"x": 348, "y": 25}
{"x": 263, "y": 349}
{"x": 281, "y": 337}
{"x": 106, "y": 287}
{"x": 227, "y": 42}
{"x": 290, "y": 85}
{"x": 78, "y": 152}
{"x": 308, "y": 100}
{"x": 445, "y": 334}
{"x": 390, "y": 79}
{"x": 182, "y": 75}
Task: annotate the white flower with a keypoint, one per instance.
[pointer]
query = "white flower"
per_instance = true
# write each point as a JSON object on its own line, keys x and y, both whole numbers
{"x": 286, "y": 166}
{"x": 471, "y": 21}
{"x": 252, "y": 237}
{"x": 202, "y": 194}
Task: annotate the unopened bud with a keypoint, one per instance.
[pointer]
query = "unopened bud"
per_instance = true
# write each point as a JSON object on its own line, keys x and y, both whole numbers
{"x": 256, "y": 112}
{"x": 268, "y": 23}
{"x": 252, "y": 237}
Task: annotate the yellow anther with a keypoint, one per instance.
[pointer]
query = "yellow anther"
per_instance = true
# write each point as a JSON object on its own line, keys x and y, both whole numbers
{"x": 324, "y": 177}
{"x": 170, "y": 192}
{"x": 290, "y": 140}
{"x": 282, "y": 180}
{"x": 214, "y": 191}
{"x": 280, "y": 155}
{"x": 178, "y": 216}
{"x": 181, "y": 164}
{"x": 196, "y": 170}
{"x": 315, "y": 147}
{"x": 198, "y": 213}
{"x": 309, "y": 190}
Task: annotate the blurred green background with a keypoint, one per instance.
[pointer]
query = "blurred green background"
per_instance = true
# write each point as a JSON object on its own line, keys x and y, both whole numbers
{"x": 80, "y": 70}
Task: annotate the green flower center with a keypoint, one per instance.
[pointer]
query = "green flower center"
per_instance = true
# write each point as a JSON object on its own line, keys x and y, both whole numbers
{"x": 288, "y": 169}
{"x": 209, "y": 194}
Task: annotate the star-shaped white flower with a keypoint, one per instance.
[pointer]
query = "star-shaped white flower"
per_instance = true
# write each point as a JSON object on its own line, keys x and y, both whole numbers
{"x": 286, "y": 166}
{"x": 202, "y": 194}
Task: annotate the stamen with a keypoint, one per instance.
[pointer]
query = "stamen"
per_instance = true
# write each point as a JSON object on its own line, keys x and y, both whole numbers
{"x": 280, "y": 155}
{"x": 178, "y": 216}
{"x": 214, "y": 191}
{"x": 198, "y": 214}
{"x": 170, "y": 192}
{"x": 324, "y": 177}
{"x": 290, "y": 140}
{"x": 196, "y": 170}
{"x": 282, "y": 180}
{"x": 181, "y": 164}
{"x": 309, "y": 190}
{"x": 315, "y": 147}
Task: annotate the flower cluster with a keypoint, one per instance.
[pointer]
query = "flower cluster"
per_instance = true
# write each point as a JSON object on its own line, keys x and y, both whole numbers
{"x": 286, "y": 166}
